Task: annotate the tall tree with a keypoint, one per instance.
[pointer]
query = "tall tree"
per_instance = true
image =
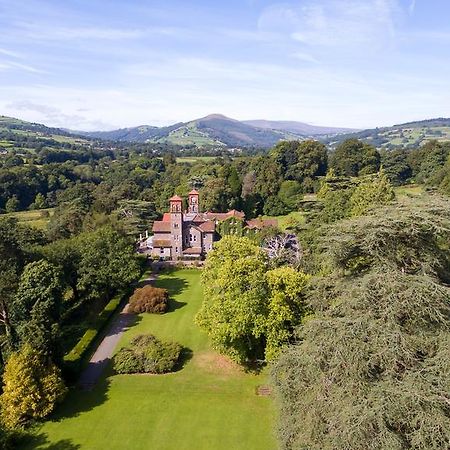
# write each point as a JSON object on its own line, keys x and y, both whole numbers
{"x": 37, "y": 305}
{"x": 371, "y": 367}
{"x": 353, "y": 158}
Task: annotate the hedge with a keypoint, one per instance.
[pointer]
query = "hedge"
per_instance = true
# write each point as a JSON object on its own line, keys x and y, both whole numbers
{"x": 73, "y": 360}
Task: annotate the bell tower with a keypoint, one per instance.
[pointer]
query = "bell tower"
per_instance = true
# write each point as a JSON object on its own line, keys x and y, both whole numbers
{"x": 176, "y": 226}
{"x": 193, "y": 204}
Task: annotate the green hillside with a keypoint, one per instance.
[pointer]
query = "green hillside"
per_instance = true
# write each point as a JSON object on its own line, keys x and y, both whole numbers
{"x": 214, "y": 130}
{"x": 409, "y": 135}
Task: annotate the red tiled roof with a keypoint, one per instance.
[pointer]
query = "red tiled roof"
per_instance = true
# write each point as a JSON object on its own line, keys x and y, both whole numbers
{"x": 208, "y": 226}
{"x": 193, "y": 192}
{"x": 262, "y": 223}
{"x": 175, "y": 198}
{"x": 166, "y": 217}
{"x": 192, "y": 251}
{"x": 160, "y": 226}
{"x": 162, "y": 243}
{"x": 224, "y": 216}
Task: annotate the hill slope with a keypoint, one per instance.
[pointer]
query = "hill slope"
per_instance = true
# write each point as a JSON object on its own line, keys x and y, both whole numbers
{"x": 298, "y": 127}
{"x": 213, "y": 130}
{"x": 409, "y": 135}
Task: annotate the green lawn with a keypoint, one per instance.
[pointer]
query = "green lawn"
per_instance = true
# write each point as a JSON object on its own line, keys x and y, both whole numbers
{"x": 284, "y": 222}
{"x": 208, "y": 404}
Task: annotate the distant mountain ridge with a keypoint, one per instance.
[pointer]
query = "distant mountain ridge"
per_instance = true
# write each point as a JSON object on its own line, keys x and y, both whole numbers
{"x": 298, "y": 127}
{"x": 219, "y": 130}
{"x": 216, "y": 130}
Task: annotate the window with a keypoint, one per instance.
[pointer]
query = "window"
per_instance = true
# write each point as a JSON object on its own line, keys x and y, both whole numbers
{"x": 161, "y": 250}
{"x": 195, "y": 238}
{"x": 175, "y": 225}
{"x": 191, "y": 237}
{"x": 176, "y": 249}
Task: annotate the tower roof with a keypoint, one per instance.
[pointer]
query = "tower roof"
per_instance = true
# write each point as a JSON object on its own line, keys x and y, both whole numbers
{"x": 193, "y": 192}
{"x": 175, "y": 198}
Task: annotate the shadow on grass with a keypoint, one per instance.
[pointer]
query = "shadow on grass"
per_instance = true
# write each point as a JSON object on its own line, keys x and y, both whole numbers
{"x": 31, "y": 440}
{"x": 174, "y": 305}
{"x": 185, "y": 356}
{"x": 174, "y": 285}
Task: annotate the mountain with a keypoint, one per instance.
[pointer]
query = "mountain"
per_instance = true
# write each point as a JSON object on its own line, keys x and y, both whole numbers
{"x": 409, "y": 135}
{"x": 302, "y": 128}
{"x": 214, "y": 130}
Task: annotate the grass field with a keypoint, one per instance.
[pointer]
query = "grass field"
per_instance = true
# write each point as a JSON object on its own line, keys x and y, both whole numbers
{"x": 285, "y": 221}
{"x": 194, "y": 159}
{"x": 33, "y": 218}
{"x": 410, "y": 190}
{"x": 208, "y": 404}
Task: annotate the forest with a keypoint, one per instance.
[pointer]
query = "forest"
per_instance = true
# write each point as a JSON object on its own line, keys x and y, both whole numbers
{"x": 353, "y": 320}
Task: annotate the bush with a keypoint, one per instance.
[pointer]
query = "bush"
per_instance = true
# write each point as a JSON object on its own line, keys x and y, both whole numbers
{"x": 147, "y": 354}
{"x": 149, "y": 299}
{"x": 73, "y": 360}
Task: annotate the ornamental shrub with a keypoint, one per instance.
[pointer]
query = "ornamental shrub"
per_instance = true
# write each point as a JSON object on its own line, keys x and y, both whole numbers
{"x": 149, "y": 299}
{"x": 147, "y": 354}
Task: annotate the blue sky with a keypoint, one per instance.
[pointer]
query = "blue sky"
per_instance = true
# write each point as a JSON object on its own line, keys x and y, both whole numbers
{"x": 90, "y": 64}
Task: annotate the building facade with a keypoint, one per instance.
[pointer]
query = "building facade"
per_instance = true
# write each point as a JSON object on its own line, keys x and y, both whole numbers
{"x": 191, "y": 234}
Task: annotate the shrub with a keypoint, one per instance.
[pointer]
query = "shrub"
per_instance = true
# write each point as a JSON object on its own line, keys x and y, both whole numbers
{"x": 128, "y": 361}
{"x": 32, "y": 388}
{"x": 73, "y": 360}
{"x": 147, "y": 354}
{"x": 149, "y": 299}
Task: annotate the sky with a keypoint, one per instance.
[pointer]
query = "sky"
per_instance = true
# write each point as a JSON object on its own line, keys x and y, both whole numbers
{"x": 100, "y": 65}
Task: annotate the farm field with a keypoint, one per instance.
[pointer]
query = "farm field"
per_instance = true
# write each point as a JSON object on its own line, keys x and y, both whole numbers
{"x": 36, "y": 218}
{"x": 208, "y": 404}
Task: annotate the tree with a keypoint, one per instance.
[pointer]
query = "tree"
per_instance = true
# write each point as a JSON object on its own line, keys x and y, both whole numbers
{"x": 39, "y": 201}
{"x": 375, "y": 191}
{"x": 37, "y": 305}
{"x": 107, "y": 263}
{"x": 353, "y": 158}
{"x": 370, "y": 369}
{"x": 32, "y": 388}
{"x": 290, "y": 194}
{"x": 248, "y": 311}
{"x": 285, "y": 308}
{"x": 302, "y": 161}
{"x": 149, "y": 299}
{"x": 12, "y": 205}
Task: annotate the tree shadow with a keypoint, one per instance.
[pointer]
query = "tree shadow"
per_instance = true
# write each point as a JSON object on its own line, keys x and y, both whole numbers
{"x": 173, "y": 285}
{"x": 174, "y": 305}
{"x": 186, "y": 355}
{"x": 40, "y": 441}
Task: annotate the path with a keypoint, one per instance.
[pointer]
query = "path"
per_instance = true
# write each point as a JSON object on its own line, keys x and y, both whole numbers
{"x": 102, "y": 356}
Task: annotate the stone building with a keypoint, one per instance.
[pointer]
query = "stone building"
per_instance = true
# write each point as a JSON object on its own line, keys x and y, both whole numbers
{"x": 190, "y": 234}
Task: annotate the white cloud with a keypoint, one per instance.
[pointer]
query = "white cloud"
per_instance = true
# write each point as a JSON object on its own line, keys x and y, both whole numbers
{"x": 341, "y": 24}
{"x": 10, "y": 65}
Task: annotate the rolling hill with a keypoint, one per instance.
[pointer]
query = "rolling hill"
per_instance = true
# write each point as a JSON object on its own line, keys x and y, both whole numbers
{"x": 409, "y": 135}
{"x": 302, "y": 128}
{"x": 214, "y": 130}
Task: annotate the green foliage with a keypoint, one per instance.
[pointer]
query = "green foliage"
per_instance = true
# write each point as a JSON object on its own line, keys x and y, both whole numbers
{"x": 290, "y": 194}
{"x": 32, "y": 388}
{"x": 149, "y": 299}
{"x": 12, "y": 204}
{"x": 353, "y": 158}
{"x": 107, "y": 263}
{"x": 147, "y": 354}
{"x": 232, "y": 225}
{"x": 248, "y": 313}
{"x": 274, "y": 206}
{"x": 302, "y": 161}
{"x": 36, "y": 308}
{"x": 375, "y": 191}
{"x": 285, "y": 307}
{"x": 370, "y": 369}
{"x": 74, "y": 358}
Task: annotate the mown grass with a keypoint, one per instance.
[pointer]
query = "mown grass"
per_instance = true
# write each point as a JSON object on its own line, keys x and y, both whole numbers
{"x": 207, "y": 404}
